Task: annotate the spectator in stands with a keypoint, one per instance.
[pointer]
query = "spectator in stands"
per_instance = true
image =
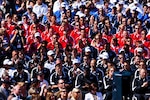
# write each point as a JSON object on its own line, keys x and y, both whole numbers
{"x": 140, "y": 84}
{"x": 40, "y": 68}
{"x": 98, "y": 73}
{"x": 76, "y": 94}
{"x": 50, "y": 63}
{"x": 84, "y": 80}
{"x": 50, "y": 96}
{"x": 93, "y": 93}
{"x": 5, "y": 85}
{"x": 20, "y": 75}
{"x": 142, "y": 65}
{"x": 134, "y": 63}
{"x": 63, "y": 94}
{"x": 16, "y": 93}
{"x": 59, "y": 86}
{"x": 120, "y": 64}
{"x": 80, "y": 34}
{"x": 108, "y": 83}
{"x": 59, "y": 74}
{"x": 40, "y": 77}
{"x": 40, "y": 9}
{"x": 7, "y": 67}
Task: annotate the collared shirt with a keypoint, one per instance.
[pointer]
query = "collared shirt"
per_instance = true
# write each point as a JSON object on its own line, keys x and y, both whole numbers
{"x": 40, "y": 9}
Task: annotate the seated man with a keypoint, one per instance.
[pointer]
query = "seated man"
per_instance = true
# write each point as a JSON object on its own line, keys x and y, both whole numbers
{"x": 84, "y": 80}
{"x": 20, "y": 75}
{"x": 140, "y": 85}
{"x": 57, "y": 75}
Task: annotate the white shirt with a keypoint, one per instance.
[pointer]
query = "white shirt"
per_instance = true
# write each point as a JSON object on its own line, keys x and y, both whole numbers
{"x": 10, "y": 72}
{"x": 44, "y": 82}
{"x": 89, "y": 96}
{"x": 77, "y": 4}
{"x": 80, "y": 14}
{"x": 137, "y": 7}
{"x": 40, "y": 9}
{"x": 56, "y": 6}
{"x": 50, "y": 66}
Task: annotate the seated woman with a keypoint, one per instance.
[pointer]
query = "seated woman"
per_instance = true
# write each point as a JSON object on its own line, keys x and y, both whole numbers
{"x": 93, "y": 94}
{"x": 108, "y": 83}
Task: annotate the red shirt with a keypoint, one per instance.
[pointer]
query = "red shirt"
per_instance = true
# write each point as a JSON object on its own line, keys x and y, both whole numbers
{"x": 50, "y": 46}
{"x": 10, "y": 28}
{"x": 55, "y": 28}
{"x": 135, "y": 37}
{"x": 75, "y": 33}
{"x": 79, "y": 49}
{"x": 64, "y": 41}
{"x": 148, "y": 36}
{"x": 107, "y": 37}
{"x": 115, "y": 48}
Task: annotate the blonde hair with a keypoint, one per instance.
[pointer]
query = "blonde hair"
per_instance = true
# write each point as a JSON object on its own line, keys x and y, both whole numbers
{"x": 21, "y": 83}
{"x": 74, "y": 90}
{"x": 109, "y": 68}
{"x": 32, "y": 90}
{"x": 36, "y": 97}
{"x": 2, "y": 31}
{"x": 49, "y": 95}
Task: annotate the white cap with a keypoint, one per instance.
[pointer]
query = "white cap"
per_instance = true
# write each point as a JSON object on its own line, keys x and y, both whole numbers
{"x": 148, "y": 4}
{"x": 67, "y": 7}
{"x": 87, "y": 49}
{"x": 75, "y": 61}
{"x": 135, "y": 2}
{"x": 7, "y": 62}
{"x": 139, "y": 49}
{"x": 100, "y": 56}
{"x": 63, "y": 4}
{"x": 99, "y": 7}
{"x": 50, "y": 52}
{"x": 75, "y": 7}
{"x": 121, "y": 50}
{"x": 14, "y": 98}
{"x": 29, "y": 6}
{"x": 121, "y": 2}
{"x": 20, "y": 22}
{"x": 37, "y": 34}
{"x": 105, "y": 55}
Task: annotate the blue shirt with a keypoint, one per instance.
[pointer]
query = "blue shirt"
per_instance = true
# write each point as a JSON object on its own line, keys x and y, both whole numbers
{"x": 142, "y": 17}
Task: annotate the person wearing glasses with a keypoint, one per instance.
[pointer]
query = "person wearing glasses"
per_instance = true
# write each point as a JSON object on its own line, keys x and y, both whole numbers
{"x": 137, "y": 34}
{"x": 63, "y": 94}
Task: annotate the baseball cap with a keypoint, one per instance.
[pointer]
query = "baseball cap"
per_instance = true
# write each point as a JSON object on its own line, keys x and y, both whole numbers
{"x": 121, "y": 2}
{"x": 7, "y": 62}
{"x": 50, "y": 53}
{"x": 87, "y": 49}
{"x": 37, "y": 34}
{"x": 20, "y": 23}
{"x": 139, "y": 49}
{"x": 105, "y": 55}
{"x": 76, "y": 61}
{"x": 63, "y": 4}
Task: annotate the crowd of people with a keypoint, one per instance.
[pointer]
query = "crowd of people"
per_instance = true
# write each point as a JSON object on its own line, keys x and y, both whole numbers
{"x": 72, "y": 49}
